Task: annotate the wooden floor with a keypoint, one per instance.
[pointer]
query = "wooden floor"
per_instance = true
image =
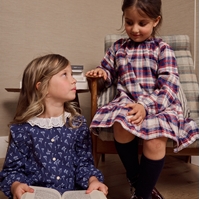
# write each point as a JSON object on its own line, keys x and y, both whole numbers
{"x": 178, "y": 180}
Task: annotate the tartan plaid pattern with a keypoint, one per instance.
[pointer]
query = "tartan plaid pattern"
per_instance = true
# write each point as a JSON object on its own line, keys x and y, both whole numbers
{"x": 188, "y": 92}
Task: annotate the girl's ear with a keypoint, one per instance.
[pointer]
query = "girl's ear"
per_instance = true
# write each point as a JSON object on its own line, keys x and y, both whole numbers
{"x": 157, "y": 20}
{"x": 37, "y": 85}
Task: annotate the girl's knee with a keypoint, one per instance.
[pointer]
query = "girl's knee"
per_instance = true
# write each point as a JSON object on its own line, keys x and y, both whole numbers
{"x": 155, "y": 144}
{"x": 120, "y": 134}
{"x": 155, "y": 147}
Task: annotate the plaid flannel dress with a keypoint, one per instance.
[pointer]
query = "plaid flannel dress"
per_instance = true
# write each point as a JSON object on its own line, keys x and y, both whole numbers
{"x": 146, "y": 73}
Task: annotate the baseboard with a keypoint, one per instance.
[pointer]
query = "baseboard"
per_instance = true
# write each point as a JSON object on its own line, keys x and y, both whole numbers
{"x": 195, "y": 160}
{"x": 3, "y": 146}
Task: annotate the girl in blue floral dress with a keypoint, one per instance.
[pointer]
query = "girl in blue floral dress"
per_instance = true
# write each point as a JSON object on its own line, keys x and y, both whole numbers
{"x": 50, "y": 143}
{"x": 146, "y": 105}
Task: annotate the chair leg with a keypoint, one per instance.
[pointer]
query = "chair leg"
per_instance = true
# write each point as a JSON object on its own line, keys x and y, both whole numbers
{"x": 96, "y": 157}
{"x": 188, "y": 159}
{"x": 103, "y": 157}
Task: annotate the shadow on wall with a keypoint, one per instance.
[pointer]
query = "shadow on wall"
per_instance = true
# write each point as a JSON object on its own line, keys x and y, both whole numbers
{"x": 10, "y": 108}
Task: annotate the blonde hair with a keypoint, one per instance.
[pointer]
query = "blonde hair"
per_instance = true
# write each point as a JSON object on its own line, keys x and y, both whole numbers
{"x": 31, "y": 99}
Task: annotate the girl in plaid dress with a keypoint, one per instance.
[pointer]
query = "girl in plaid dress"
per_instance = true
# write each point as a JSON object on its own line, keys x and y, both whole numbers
{"x": 146, "y": 104}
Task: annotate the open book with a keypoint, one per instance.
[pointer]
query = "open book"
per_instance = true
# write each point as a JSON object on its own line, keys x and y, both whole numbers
{"x": 48, "y": 193}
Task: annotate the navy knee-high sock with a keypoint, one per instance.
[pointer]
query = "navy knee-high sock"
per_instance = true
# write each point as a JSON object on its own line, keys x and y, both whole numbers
{"x": 128, "y": 153}
{"x": 149, "y": 174}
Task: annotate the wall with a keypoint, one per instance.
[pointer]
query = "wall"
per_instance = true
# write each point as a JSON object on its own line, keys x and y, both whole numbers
{"x": 73, "y": 28}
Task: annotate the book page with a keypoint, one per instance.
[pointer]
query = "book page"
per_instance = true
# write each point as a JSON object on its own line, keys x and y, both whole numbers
{"x": 42, "y": 193}
{"x": 82, "y": 195}
{"x": 48, "y": 193}
{"x": 97, "y": 195}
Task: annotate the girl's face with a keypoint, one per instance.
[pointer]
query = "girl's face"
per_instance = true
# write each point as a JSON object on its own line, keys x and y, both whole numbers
{"x": 62, "y": 86}
{"x": 138, "y": 27}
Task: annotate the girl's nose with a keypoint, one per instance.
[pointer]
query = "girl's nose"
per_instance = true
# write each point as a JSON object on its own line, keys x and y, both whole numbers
{"x": 135, "y": 29}
{"x": 74, "y": 80}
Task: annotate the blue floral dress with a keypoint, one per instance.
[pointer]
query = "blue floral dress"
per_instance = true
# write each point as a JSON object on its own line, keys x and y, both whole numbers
{"x": 147, "y": 74}
{"x": 45, "y": 152}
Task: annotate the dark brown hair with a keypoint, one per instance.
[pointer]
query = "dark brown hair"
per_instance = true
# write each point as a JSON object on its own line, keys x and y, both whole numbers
{"x": 152, "y": 8}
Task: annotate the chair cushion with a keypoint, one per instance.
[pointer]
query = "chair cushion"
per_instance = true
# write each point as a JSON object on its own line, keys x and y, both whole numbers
{"x": 189, "y": 82}
{"x": 177, "y": 42}
{"x": 181, "y": 96}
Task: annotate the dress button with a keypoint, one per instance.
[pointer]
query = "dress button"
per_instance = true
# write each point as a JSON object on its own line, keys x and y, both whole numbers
{"x": 52, "y": 140}
{"x": 58, "y": 177}
{"x": 54, "y": 159}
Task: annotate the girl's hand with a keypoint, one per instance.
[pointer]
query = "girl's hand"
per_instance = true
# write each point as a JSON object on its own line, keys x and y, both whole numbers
{"x": 137, "y": 114}
{"x": 97, "y": 72}
{"x": 18, "y": 189}
{"x": 94, "y": 184}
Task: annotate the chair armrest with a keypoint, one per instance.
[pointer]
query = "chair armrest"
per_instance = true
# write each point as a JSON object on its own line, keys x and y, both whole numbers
{"x": 92, "y": 83}
{"x": 96, "y": 84}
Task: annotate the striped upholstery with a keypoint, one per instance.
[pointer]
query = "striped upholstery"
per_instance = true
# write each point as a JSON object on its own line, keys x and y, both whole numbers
{"x": 189, "y": 89}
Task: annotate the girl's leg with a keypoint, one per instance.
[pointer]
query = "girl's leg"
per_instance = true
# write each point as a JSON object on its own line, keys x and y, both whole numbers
{"x": 127, "y": 148}
{"x": 151, "y": 164}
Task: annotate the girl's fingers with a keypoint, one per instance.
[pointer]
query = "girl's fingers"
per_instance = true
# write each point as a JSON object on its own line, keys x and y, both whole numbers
{"x": 97, "y": 73}
{"x": 135, "y": 120}
{"x": 104, "y": 190}
{"x": 138, "y": 121}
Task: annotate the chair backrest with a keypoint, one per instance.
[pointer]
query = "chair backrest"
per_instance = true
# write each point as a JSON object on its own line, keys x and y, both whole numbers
{"x": 181, "y": 46}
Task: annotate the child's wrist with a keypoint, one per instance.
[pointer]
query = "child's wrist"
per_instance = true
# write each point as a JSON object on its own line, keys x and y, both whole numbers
{"x": 14, "y": 185}
{"x": 92, "y": 179}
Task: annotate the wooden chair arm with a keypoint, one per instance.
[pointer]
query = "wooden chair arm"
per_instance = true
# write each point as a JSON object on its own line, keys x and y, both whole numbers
{"x": 93, "y": 87}
{"x": 92, "y": 83}
{"x": 96, "y": 86}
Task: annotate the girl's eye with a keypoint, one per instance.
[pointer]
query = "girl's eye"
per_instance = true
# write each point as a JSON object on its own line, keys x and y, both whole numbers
{"x": 143, "y": 23}
{"x": 129, "y": 23}
{"x": 64, "y": 74}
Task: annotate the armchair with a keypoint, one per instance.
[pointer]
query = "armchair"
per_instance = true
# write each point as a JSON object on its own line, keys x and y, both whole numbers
{"x": 188, "y": 95}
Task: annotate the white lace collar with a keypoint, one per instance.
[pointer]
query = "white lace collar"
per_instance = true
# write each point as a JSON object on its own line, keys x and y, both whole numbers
{"x": 49, "y": 122}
